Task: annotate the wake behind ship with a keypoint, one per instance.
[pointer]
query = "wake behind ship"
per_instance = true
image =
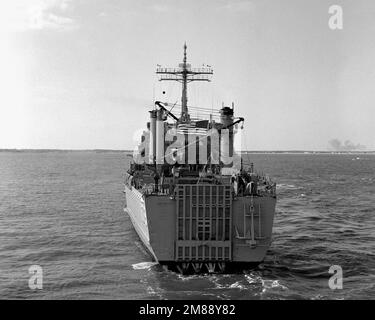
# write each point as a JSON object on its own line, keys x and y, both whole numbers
{"x": 191, "y": 200}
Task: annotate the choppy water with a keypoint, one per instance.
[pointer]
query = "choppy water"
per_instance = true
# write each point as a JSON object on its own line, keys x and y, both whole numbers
{"x": 64, "y": 212}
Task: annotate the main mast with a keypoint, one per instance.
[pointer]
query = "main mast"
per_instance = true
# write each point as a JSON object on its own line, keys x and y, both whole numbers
{"x": 184, "y": 107}
{"x": 184, "y": 74}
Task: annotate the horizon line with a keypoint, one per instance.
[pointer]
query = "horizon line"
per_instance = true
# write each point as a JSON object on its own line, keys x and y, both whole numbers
{"x": 129, "y": 150}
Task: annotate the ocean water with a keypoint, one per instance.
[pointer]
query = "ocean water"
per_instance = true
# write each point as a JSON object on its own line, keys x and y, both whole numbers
{"x": 64, "y": 212}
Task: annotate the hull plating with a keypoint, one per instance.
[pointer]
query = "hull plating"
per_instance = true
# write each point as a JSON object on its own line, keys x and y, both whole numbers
{"x": 157, "y": 220}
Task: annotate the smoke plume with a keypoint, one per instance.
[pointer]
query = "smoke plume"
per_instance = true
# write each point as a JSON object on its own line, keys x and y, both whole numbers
{"x": 337, "y": 145}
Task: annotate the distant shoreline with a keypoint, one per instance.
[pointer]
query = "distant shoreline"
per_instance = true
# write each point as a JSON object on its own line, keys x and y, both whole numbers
{"x": 62, "y": 150}
{"x": 128, "y": 151}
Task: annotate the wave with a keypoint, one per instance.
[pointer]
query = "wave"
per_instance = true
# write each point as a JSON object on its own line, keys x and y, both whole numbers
{"x": 285, "y": 186}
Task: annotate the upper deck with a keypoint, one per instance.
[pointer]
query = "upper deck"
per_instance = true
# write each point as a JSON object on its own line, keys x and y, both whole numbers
{"x": 242, "y": 184}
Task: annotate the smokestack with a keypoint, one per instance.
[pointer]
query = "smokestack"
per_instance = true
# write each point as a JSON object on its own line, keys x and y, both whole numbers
{"x": 160, "y": 137}
{"x": 152, "y": 146}
{"x": 226, "y": 137}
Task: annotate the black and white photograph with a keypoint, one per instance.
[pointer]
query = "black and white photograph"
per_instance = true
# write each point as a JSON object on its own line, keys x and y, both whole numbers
{"x": 204, "y": 151}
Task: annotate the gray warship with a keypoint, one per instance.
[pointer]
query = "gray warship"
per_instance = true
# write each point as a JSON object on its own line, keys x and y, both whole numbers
{"x": 193, "y": 202}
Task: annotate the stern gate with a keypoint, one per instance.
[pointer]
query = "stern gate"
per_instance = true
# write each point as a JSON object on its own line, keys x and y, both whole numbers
{"x": 203, "y": 223}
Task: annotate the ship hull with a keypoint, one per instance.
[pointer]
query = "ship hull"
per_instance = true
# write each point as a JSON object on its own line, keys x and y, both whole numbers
{"x": 136, "y": 210}
{"x": 171, "y": 228}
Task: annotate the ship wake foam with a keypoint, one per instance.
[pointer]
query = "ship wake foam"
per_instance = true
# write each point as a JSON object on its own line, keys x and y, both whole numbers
{"x": 144, "y": 265}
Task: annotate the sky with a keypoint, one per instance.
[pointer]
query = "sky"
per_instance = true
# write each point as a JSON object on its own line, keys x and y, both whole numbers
{"x": 80, "y": 74}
